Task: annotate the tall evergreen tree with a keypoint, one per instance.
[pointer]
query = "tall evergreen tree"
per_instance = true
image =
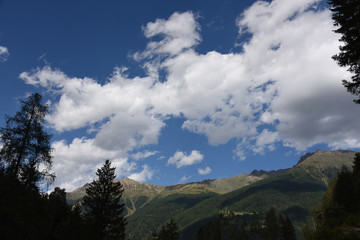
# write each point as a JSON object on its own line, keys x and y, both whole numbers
{"x": 356, "y": 167}
{"x": 255, "y": 227}
{"x": 104, "y": 209}
{"x": 271, "y": 225}
{"x": 169, "y": 231}
{"x": 26, "y": 145}
{"x": 287, "y": 230}
{"x": 338, "y": 214}
{"x": 346, "y": 16}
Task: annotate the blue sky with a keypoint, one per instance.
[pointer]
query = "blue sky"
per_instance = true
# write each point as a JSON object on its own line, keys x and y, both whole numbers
{"x": 177, "y": 91}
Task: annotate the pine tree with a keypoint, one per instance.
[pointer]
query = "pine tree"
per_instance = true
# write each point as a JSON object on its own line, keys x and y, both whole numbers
{"x": 271, "y": 224}
{"x": 287, "y": 230}
{"x": 338, "y": 214}
{"x": 255, "y": 227}
{"x": 169, "y": 231}
{"x": 104, "y": 209}
{"x": 26, "y": 145}
{"x": 346, "y": 16}
{"x": 356, "y": 167}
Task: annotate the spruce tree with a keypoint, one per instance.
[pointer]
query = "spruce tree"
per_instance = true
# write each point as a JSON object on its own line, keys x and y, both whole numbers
{"x": 103, "y": 205}
{"x": 25, "y": 144}
{"x": 338, "y": 214}
{"x": 287, "y": 230}
{"x": 271, "y": 225}
{"x": 169, "y": 231}
{"x": 346, "y": 16}
{"x": 255, "y": 227}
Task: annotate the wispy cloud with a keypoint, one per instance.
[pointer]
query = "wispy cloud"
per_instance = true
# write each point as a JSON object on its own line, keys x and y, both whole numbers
{"x": 185, "y": 178}
{"x": 143, "y": 155}
{"x": 4, "y": 54}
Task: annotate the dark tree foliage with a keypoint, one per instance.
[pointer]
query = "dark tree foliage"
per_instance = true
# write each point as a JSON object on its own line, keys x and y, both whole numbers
{"x": 338, "y": 214}
{"x": 346, "y": 16}
{"x": 255, "y": 227}
{"x": 169, "y": 231}
{"x": 28, "y": 215}
{"x": 271, "y": 225}
{"x": 25, "y": 212}
{"x": 26, "y": 145}
{"x": 103, "y": 205}
{"x": 226, "y": 227}
{"x": 356, "y": 167}
{"x": 287, "y": 230}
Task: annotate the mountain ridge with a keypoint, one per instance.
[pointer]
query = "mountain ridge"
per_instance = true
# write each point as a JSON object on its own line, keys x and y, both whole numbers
{"x": 292, "y": 191}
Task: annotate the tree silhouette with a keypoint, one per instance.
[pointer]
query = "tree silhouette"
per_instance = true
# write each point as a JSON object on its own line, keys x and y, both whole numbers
{"x": 104, "y": 209}
{"x": 26, "y": 145}
{"x": 338, "y": 214}
{"x": 169, "y": 231}
{"x": 346, "y": 16}
{"x": 271, "y": 224}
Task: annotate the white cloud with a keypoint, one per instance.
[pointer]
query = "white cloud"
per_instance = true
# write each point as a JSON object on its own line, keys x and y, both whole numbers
{"x": 180, "y": 159}
{"x": 143, "y": 155}
{"x": 180, "y": 31}
{"x": 283, "y": 87}
{"x": 142, "y": 176}
{"x": 4, "y": 53}
{"x": 185, "y": 178}
{"x": 76, "y": 163}
{"x": 204, "y": 171}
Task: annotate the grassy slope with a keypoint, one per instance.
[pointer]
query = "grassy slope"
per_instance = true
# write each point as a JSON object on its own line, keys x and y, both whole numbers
{"x": 292, "y": 193}
{"x": 193, "y": 204}
{"x": 149, "y": 206}
{"x": 137, "y": 195}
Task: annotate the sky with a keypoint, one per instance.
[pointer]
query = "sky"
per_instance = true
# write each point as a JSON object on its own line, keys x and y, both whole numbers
{"x": 177, "y": 91}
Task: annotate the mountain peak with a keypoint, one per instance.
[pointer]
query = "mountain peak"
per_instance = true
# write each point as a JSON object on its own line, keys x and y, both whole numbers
{"x": 324, "y": 165}
{"x": 304, "y": 157}
{"x": 128, "y": 181}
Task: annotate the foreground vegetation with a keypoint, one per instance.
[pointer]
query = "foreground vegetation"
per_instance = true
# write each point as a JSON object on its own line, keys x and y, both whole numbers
{"x": 338, "y": 214}
{"x": 28, "y": 213}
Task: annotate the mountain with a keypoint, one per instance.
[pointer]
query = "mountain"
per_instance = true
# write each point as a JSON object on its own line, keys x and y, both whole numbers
{"x": 137, "y": 194}
{"x": 292, "y": 191}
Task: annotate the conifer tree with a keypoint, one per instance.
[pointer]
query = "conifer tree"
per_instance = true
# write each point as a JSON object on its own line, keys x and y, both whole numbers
{"x": 287, "y": 230}
{"x": 356, "y": 167}
{"x": 338, "y": 214}
{"x": 104, "y": 209}
{"x": 346, "y": 16}
{"x": 255, "y": 227}
{"x": 169, "y": 231}
{"x": 271, "y": 224}
{"x": 26, "y": 145}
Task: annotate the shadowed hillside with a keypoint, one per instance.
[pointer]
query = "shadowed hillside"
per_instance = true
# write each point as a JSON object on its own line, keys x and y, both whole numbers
{"x": 291, "y": 191}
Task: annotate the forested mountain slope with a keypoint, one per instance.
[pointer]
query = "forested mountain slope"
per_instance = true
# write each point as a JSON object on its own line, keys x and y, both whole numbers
{"x": 291, "y": 191}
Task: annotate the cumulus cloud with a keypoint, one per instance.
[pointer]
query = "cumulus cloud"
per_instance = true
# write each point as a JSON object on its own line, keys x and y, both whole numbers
{"x": 282, "y": 88}
{"x": 180, "y": 159}
{"x": 75, "y": 163}
{"x": 144, "y": 175}
{"x": 204, "y": 171}
{"x": 4, "y": 53}
{"x": 180, "y": 31}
